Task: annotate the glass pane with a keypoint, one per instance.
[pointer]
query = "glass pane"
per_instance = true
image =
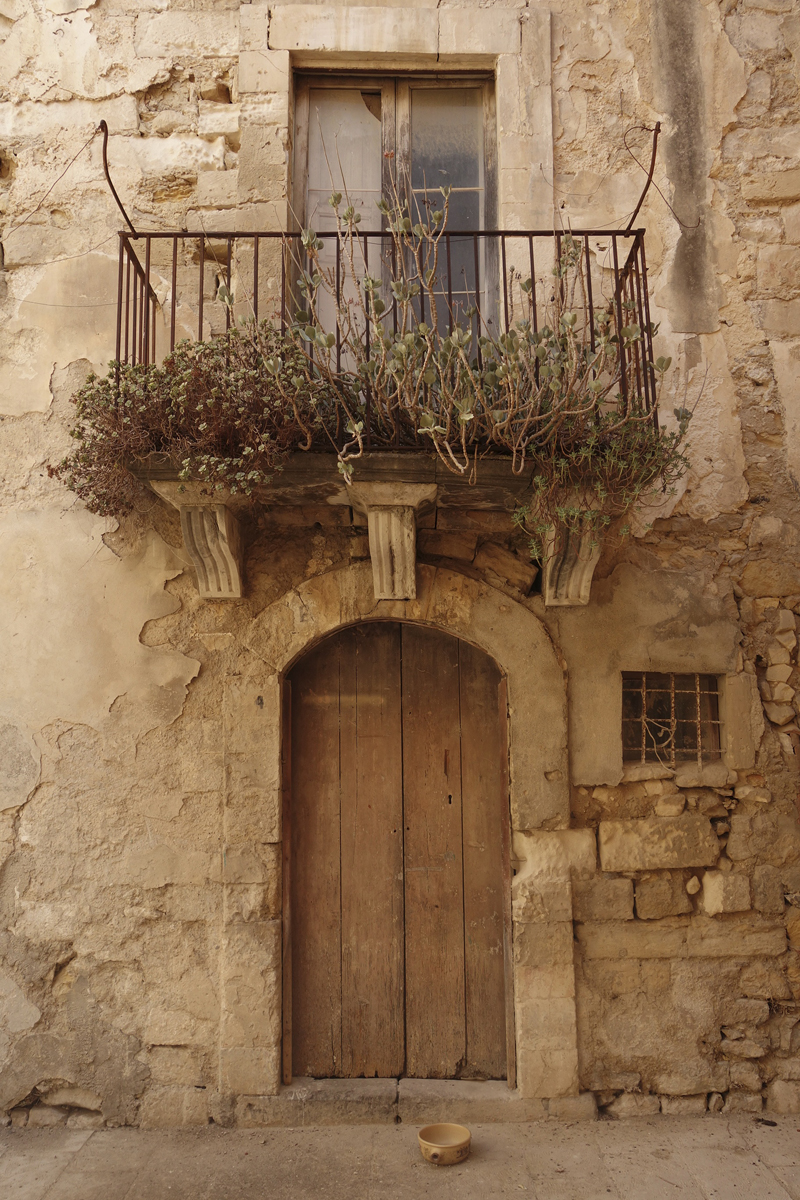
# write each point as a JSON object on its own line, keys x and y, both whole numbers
{"x": 446, "y": 138}
{"x": 344, "y": 154}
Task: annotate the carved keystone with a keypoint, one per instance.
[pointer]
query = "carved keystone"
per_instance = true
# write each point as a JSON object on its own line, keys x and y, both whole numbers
{"x": 568, "y": 571}
{"x": 391, "y": 510}
{"x": 211, "y": 536}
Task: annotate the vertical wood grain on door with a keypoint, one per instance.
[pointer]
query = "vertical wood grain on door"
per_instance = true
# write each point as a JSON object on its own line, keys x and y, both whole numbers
{"x": 315, "y": 866}
{"x": 372, "y": 852}
{"x": 435, "y": 1017}
{"x": 398, "y": 823}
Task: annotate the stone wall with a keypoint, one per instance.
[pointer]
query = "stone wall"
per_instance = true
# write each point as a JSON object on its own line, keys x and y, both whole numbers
{"x": 657, "y": 915}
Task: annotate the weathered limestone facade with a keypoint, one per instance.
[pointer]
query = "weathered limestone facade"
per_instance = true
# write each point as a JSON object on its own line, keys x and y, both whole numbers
{"x": 656, "y": 914}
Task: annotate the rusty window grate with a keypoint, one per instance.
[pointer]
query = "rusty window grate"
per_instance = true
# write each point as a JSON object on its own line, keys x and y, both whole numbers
{"x": 669, "y": 719}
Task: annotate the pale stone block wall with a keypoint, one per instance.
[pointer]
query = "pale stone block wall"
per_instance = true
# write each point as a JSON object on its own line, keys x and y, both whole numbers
{"x": 657, "y": 944}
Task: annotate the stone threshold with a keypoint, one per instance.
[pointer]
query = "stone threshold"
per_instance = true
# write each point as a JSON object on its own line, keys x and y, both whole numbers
{"x": 411, "y": 1101}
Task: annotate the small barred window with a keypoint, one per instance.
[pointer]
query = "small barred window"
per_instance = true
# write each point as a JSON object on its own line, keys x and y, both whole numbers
{"x": 669, "y": 719}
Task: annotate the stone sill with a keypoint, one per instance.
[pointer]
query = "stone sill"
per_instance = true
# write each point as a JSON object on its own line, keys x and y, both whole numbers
{"x": 411, "y": 1101}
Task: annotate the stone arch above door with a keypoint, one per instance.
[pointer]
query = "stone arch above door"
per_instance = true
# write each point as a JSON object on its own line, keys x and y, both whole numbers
{"x": 544, "y": 990}
{"x": 508, "y": 631}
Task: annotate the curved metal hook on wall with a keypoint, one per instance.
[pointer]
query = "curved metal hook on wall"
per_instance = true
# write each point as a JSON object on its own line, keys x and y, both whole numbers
{"x": 656, "y": 132}
{"x": 104, "y": 130}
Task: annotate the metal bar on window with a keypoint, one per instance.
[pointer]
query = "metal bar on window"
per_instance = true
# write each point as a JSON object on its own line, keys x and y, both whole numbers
{"x": 174, "y": 299}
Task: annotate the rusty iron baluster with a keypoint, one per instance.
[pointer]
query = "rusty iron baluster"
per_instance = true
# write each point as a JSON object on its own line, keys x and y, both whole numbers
{"x": 255, "y": 279}
{"x": 505, "y": 281}
{"x": 202, "y": 288}
{"x": 368, "y": 408}
{"x": 476, "y": 256}
{"x": 449, "y": 283}
{"x": 127, "y": 299}
{"x": 646, "y": 294}
{"x": 146, "y": 300}
{"x": 620, "y": 346}
{"x": 118, "y": 342}
{"x": 229, "y": 301}
{"x": 173, "y": 308}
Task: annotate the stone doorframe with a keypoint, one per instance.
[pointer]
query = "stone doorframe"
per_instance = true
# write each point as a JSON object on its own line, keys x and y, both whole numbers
{"x": 542, "y": 845}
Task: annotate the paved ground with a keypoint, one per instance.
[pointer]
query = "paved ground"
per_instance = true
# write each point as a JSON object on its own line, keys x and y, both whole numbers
{"x": 659, "y": 1158}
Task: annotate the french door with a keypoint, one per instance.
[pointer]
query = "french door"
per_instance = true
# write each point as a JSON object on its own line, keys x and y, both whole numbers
{"x": 397, "y": 851}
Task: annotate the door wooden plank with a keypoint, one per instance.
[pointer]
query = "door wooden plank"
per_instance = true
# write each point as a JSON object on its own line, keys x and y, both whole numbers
{"x": 373, "y": 1033}
{"x": 435, "y": 1018}
{"x": 484, "y": 812}
{"x": 286, "y": 875}
{"x": 316, "y": 902}
{"x": 508, "y": 926}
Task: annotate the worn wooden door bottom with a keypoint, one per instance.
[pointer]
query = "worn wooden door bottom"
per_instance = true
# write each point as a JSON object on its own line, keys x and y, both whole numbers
{"x": 397, "y": 855}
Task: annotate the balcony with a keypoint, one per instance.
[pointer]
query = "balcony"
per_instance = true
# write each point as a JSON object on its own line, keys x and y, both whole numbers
{"x": 180, "y": 285}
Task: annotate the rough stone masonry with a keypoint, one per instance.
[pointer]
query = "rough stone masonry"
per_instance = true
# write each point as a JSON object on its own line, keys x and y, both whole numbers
{"x": 656, "y": 911}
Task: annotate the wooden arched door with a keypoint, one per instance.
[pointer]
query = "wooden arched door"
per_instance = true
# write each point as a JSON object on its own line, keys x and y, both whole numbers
{"x": 397, "y": 850}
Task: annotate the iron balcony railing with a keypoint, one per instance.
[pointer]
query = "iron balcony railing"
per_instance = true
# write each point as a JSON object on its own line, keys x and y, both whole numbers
{"x": 170, "y": 286}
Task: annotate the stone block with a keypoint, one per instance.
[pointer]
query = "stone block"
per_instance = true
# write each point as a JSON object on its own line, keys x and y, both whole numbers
{"x": 465, "y": 1101}
{"x": 74, "y": 1097}
{"x": 745, "y": 1077}
{"x": 251, "y": 1071}
{"x": 743, "y": 1102}
{"x": 661, "y": 896}
{"x": 602, "y": 899}
{"x": 745, "y": 1012}
{"x": 763, "y": 577}
{"x": 264, "y": 71}
{"x": 496, "y": 560}
{"x": 778, "y": 271}
{"x": 479, "y": 31}
{"x": 725, "y": 892}
{"x": 556, "y": 854}
{"x": 783, "y": 1097}
{"x": 439, "y": 543}
{"x": 739, "y": 1048}
{"x": 207, "y": 34}
{"x": 744, "y": 936}
{"x": 321, "y": 1102}
{"x": 684, "y": 1106}
{"x": 173, "y": 1108}
{"x": 85, "y": 1120}
{"x": 613, "y": 940}
{"x": 217, "y": 189}
{"x": 779, "y": 714}
{"x": 44, "y": 1116}
{"x": 640, "y": 772}
{"x": 634, "y": 1104}
{"x": 547, "y": 1055}
{"x": 573, "y": 1108}
{"x": 744, "y": 724}
{"x": 353, "y": 30}
{"x": 657, "y": 842}
{"x": 253, "y": 816}
{"x": 714, "y": 774}
{"x": 217, "y": 120}
{"x": 793, "y": 927}
{"x": 689, "y": 1079}
{"x": 772, "y": 187}
{"x": 764, "y": 981}
{"x": 253, "y": 28}
{"x": 670, "y": 806}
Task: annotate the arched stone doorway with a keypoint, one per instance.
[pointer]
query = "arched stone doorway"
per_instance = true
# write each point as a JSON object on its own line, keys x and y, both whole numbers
{"x": 257, "y": 759}
{"x": 399, "y": 858}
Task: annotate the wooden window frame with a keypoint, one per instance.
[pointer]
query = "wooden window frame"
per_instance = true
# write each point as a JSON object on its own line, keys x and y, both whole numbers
{"x": 395, "y": 89}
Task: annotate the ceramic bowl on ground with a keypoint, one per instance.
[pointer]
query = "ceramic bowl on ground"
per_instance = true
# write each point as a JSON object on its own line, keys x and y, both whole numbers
{"x": 444, "y": 1144}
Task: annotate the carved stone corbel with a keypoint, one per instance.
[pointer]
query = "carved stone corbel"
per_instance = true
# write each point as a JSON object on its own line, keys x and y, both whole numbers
{"x": 212, "y": 538}
{"x": 391, "y": 510}
{"x": 569, "y": 562}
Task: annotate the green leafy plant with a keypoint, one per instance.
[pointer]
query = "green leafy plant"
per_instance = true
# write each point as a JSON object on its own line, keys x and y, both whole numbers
{"x": 387, "y": 360}
{"x": 225, "y": 412}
